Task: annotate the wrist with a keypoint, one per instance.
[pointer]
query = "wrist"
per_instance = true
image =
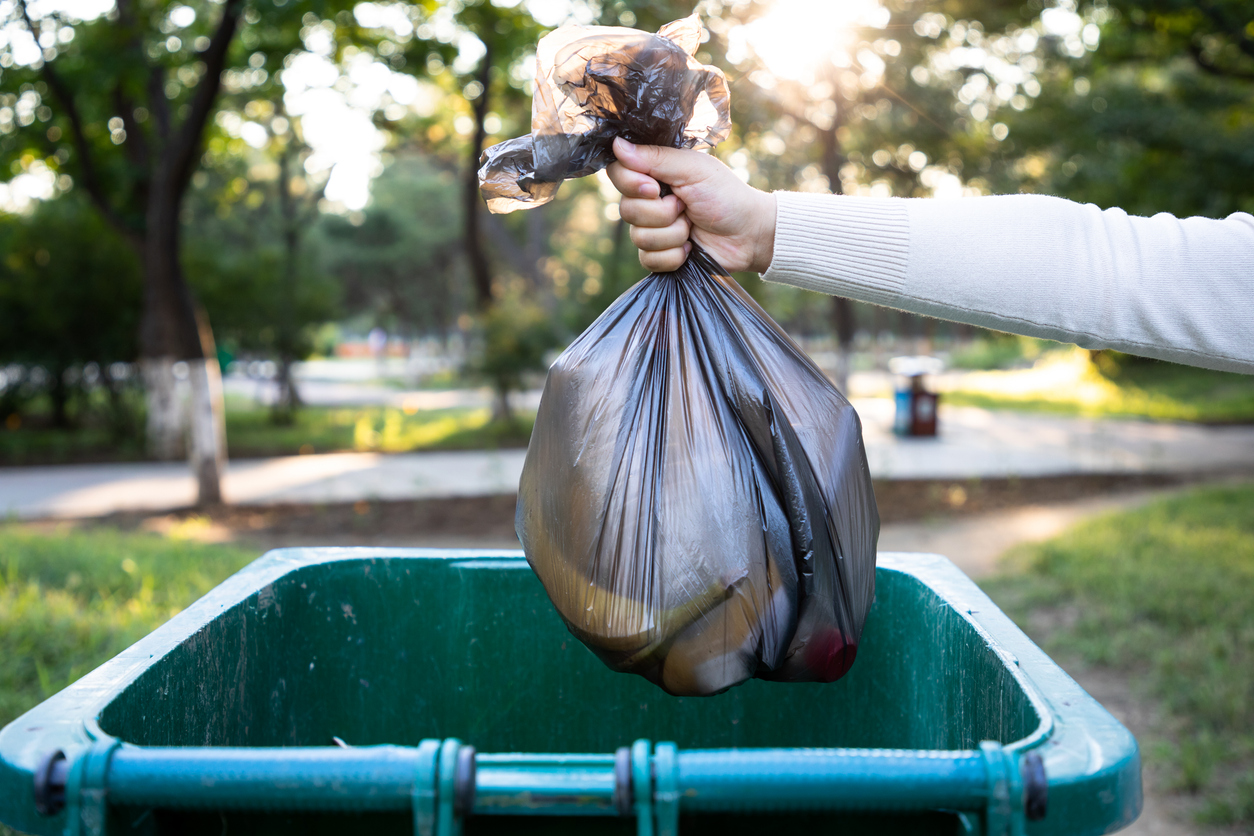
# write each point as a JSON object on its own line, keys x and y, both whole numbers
{"x": 764, "y": 235}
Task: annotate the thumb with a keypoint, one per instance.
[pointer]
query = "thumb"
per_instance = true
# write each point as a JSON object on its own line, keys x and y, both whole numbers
{"x": 673, "y": 166}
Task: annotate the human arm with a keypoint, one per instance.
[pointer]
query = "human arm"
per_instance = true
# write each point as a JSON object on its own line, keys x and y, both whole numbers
{"x": 1175, "y": 289}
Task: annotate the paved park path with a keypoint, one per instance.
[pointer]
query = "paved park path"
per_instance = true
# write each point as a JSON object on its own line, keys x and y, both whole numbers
{"x": 975, "y": 443}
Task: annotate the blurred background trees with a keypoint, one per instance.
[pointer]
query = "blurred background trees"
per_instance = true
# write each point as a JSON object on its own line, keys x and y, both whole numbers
{"x": 317, "y": 164}
{"x": 399, "y": 262}
{"x": 69, "y": 310}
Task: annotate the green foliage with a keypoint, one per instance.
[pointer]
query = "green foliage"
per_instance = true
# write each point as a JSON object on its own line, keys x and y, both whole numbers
{"x": 69, "y": 300}
{"x": 69, "y": 288}
{"x": 237, "y": 267}
{"x": 1163, "y": 593}
{"x": 515, "y": 337}
{"x": 103, "y": 430}
{"x": 1157, "y": 119}
{"x": 130, "y": 80}
{"x": 251, "y": 432}
{"x": 70, "y": 600}
{"x": 508, "y": 33}
{"x": 399, "y": 260}
{"x": 995, "y": 350}
{"x": 1115, "y": 365}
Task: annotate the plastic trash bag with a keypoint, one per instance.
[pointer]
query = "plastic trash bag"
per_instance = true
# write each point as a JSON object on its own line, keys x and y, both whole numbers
{"x": 696, "y": 498}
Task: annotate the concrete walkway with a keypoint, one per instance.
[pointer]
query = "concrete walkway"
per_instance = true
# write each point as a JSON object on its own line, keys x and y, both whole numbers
{"x": 981, "y": 443}
{"x": 974, "y": 443}
{"x": 92, "y": 490}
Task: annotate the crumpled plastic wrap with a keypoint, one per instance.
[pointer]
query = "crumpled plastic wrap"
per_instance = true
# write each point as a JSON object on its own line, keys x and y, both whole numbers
{"x": 696, "y": 498}
{"x": 594, "y": 83}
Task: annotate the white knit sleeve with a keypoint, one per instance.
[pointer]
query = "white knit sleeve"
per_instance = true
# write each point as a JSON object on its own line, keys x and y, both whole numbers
{"x": 1176, "y": 289}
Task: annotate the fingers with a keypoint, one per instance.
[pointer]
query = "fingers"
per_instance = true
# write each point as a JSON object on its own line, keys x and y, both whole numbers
{"x": 678, "y": 167}
{"x": 652, "y": 239}
{"x": 651, "y": 213}
{"x": 659, "y": 228}
{"x": 664, "y": 261}
{"x": 633, "y": 183}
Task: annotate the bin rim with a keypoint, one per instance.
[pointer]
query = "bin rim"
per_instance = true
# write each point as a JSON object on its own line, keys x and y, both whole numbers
{"x": 1077, "y": 739}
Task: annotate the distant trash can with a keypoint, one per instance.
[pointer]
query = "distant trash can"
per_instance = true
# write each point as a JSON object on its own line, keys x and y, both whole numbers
{"x": 462, "y": 698}
{"x": 916, "y": 406}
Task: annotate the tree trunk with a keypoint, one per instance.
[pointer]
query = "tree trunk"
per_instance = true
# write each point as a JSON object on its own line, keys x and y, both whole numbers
{"x": 208, "y": 436}
{"x": 170, "y": 331}
{"x": 501, "y": 411}
{"x": 843, "y": 325}
{"x": 288, "y": 396}
{"x": 533, "y": 248}
{"x": 121, "y": 420}
{"x": 476, "y": 257}
{"x": 165, "y": 427}
{"x": 284, "y": 411}
{"x": 842, "y": 309}
{"x": 59, "y": 393}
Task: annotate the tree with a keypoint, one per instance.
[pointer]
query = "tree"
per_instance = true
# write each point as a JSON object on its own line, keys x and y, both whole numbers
{"x": 121, "y": 104}
{"x": 506, "y": 35}
{"x": 257, "y": 195}
{"x": 70, "y": 311}
{"x": 264, "y": 287}
{"x": 1155, "y": 118}
{"x": 517, "y": 334}
{"x": 477, "y": 48}
{"x": 399, "y": 262}
{"x": 480, "y": 51}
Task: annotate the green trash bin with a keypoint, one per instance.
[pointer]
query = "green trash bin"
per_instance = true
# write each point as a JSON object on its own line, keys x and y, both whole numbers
{"x": 436, "y": 692}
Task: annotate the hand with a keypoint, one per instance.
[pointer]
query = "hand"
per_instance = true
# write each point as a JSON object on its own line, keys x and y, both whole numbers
{"x": 732, "y": 221}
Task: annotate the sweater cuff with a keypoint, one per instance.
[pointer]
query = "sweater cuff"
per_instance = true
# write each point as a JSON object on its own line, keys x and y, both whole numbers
{"x": 844, "y": 246}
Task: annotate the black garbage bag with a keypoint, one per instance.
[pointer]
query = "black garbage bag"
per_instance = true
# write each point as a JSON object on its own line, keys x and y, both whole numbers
{"x": 695, "y": 499}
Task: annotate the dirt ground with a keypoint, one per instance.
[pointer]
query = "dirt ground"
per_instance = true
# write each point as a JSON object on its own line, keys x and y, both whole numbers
{"x": 488, "y": 522}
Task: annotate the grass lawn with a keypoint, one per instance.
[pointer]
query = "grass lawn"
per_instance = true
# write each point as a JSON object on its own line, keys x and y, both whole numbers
{"x": 1067, "y": 383}
{"x": 70, "y": 600}
{"x": 29, "y": 445}
{"x": 1166, "y": 594}
{"x": 250, "y": 432}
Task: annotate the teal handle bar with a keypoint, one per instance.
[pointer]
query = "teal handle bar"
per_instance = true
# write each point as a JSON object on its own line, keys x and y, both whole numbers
{"x": 547, "y": 785}
{"x": 443, "y": 781}
{"x": 324, "y": 779}
{"x": 763, "y": 780}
